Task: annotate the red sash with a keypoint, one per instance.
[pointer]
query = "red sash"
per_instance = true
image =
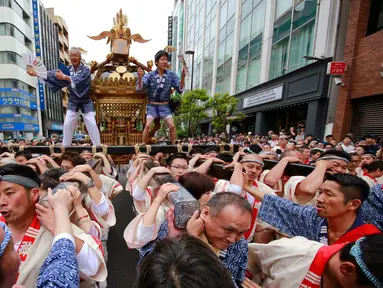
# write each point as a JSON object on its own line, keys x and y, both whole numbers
{"x": 28, "y": 239}
{"x": 255, "y": 213}
{"x": 369, "y": 176}
{"x": 355, "y": 234}
{"x": 314, "y": 275}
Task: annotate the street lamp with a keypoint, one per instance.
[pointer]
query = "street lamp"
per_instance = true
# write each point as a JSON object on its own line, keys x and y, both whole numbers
{"x": 189, "y": 52}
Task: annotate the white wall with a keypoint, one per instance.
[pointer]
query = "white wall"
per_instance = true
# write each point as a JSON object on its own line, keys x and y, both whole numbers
{"x": 7, "y": 15}
{"x": 13, "y": 71}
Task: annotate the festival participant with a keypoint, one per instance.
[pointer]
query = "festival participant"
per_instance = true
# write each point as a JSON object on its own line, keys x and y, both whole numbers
{"x": 275, "y": 178}
{"x": 373, "y": 171}
{"x": 334, "y": 220}
{"x": 298, "y": 262}
{"x": 144, "y": 193}
{"x": 347, "y": 144}
{"x": 78, "y": 84}
{"x": 367, "y": 158}
{"x": 305, "y": 154}
{"x": 158, "y": 84}
{"x": 303, "y": 190}
{"x": 252, "y": 164}
{"x": 19, "y": 193}
{"x": 22, "y": 157}
{"x": 9, "y": 259}
{"x": 186, "y": 258}
{"x": 354, "y": 166}
{"x": 221, "y": 224}
{"x": 144, "y": 227}
{"x": 314, "y": 155}
{"x": 372, "y": 208}
{"x": 60, "y": 268}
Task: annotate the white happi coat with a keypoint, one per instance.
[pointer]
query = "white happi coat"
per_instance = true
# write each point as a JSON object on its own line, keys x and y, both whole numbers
{"x": 283, "y": 262}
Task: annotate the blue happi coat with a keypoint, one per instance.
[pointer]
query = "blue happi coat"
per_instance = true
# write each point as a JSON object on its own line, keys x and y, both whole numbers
{"x": 78, "y": 88}
{"x": 159, "y": 89}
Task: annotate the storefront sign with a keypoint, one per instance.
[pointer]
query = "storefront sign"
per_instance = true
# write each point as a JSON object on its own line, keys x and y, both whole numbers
{"x": 15, "y": 101}
{"x": 19, "y": 127}
{"x": 336, "y": 68}
{"x": 263, "y": 97}
{"x": 57, "y": 127}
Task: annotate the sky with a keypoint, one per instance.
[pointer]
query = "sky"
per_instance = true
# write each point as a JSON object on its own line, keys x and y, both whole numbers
{"x": 91, "y": 17}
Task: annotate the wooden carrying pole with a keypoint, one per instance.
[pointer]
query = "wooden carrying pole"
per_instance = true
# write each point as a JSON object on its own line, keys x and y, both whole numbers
{"x": 216, "y": 169}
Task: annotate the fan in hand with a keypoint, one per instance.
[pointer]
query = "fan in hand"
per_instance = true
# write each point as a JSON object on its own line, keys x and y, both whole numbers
{"x": 35, "y": 67}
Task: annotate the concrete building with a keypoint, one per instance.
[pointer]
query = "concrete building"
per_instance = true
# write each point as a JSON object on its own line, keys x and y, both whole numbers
{"x": 254, "y": 49}
{"x": 63, "y": 37}
{"x": 359, "y": 108}
{"x": 19, "y": 106}
{"x": 53, "y": 112}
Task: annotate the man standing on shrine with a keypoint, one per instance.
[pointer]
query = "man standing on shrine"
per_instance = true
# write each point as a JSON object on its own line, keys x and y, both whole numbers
{"x": 78, "y": 83}
{"x": 158, "y": 84}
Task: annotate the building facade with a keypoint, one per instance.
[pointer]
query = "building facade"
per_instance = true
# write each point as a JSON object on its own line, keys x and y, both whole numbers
{"x": 271, "y": 54}
{"x": 63, "y": 37}
{"x": 360, "y": 105}
{"x": 19, "y": 106}
{"x": 53, "y": 112}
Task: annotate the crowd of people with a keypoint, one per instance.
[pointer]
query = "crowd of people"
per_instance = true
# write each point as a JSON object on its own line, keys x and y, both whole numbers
{"x": 260, "y": 228}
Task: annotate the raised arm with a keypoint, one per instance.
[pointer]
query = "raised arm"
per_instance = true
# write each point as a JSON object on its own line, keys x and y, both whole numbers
{"x": 277, "y": 171}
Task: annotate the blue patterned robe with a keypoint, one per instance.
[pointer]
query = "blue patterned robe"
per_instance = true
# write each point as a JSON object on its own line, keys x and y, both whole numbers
{"x": 60, "y": 269}
{"x": 296, "y": 220}
{"x": 234, "y": 258}
{"x": 78, "y": 88}
{"x": 372, "y": 207}
{"x": 159, "y": 90}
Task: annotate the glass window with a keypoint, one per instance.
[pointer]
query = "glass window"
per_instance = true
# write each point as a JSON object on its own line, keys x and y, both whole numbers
{"x": 258, "y": 20}
{"x": 221, "y": 54}
{"x": 227, "y": 67}
{"x": 255, "y": 46}
{"x": 223, "y": 15}
{"x": 244, "y": 36}
{"x": 246, "y": 8}
{"x": 375, "y": 20}
{"x": 241, "y": 79}
{"x": 301, "y": 45}
{"x": 243, "y": 55}
{"x": 231, "y": 8}
{"x": 279, "y": 58}
{"x": 282, "y": 27}
{"x": 222, "y": 34}
{"x": 213, "y": 28}
{"x": 230, "y": 25}
{"x": 304, "y": 12}
{"x": 3, "y": 29}
{"x": 220, "y": 71}
{"x": 218, "y": 88}
{"x": 282, "y": 7}
{"x": 254, "y": 72}
{"x": 229, "y": 46}
{"x": 226, "y": 84}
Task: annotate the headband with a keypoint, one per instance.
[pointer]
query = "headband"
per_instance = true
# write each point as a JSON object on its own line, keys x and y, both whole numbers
{"x": 356, "y": 251}
{"x": 7, "y": 238}
{"x": 253, "y": 161}
{"x": 21, "y": 180}
{"x": 369, "y": 154}
{"x": 333, "y": 157}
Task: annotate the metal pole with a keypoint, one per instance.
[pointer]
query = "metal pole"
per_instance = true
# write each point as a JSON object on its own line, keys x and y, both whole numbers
{"x": 192, "y": 74}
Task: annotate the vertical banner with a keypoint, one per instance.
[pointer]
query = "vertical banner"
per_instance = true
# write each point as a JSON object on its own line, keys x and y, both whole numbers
{"x": 36, "y": 29}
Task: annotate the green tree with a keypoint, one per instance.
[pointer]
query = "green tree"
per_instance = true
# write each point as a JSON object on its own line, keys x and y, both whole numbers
{"x": 193, "y": 109}
{"x": 224, "y": 111}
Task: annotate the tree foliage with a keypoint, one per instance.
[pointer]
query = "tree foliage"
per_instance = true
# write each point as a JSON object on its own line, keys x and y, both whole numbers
{"x": 224, "y": 111}
{"x": 192, "y": 110}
